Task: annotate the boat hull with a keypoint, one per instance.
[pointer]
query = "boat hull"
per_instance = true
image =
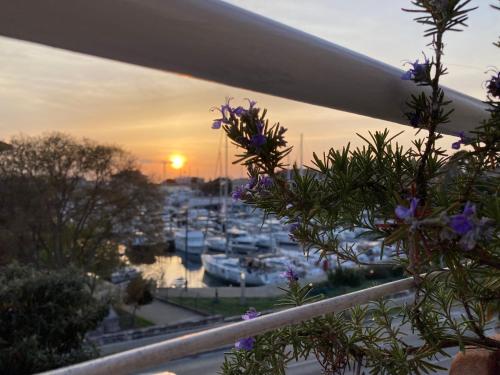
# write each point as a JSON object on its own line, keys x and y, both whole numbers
{"x": 180, "y": 247}
{"x": 231, "y": 274}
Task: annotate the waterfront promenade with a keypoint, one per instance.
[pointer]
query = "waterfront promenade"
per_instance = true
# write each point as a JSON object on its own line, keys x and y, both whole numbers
{"x": 230, "y": 291}
{"x": 222, "y": 292}
{"x": 162, "y": 313}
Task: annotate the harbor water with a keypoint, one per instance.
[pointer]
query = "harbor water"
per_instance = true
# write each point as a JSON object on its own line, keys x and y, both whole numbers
{"x": 171, "y": 270}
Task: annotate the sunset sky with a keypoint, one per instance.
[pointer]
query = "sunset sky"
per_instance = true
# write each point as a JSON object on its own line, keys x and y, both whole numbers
{"x": 155, "y": 114}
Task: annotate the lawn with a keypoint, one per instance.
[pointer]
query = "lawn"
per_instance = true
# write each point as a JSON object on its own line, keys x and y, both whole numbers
{"x": 232, "y": 307}
{"x": 127, "y": 320}
{"x": 329, "y": 291}
{"x": 224, "y": 306}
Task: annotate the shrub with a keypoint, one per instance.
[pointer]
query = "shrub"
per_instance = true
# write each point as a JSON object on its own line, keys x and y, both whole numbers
{"x": 346, "y": 276}
{"x": 439, "y": 208}
{"x": 44, "y": 316}
{"x": 383, "y": 272}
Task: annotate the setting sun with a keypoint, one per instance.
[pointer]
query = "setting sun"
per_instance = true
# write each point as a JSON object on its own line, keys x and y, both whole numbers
{"x": 177, "y": 161}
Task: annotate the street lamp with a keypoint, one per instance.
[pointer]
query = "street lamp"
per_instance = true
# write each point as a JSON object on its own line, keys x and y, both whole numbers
{"x": 242, "y": 285}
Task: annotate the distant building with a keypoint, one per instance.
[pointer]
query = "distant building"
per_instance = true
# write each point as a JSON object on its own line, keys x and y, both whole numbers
{"x": 189, "y": 181}
{"x": 4, "y": 146}
{"x": 239, "y": 182}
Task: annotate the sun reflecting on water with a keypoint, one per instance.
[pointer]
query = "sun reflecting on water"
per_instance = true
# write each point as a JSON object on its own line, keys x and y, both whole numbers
{"x": 167, "y": 269}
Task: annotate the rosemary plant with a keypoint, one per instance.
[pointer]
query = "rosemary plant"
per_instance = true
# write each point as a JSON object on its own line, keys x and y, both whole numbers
{"x": 440, "y": 210}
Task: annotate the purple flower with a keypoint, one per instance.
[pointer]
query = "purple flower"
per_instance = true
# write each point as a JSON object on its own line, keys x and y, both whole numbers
{"x": 482, "y": 229}
{"x": 217, "y": 124}
{"x": 250, "y": 314}
{"x": 226, "y": 111}
{"x": 266, "y": 182}
{"x": 493, "y": 86}
{"x": 294, "y": 227}
{"x": 245, "y": 344}
{"x": 250, "y": 184}
{"x": 251, "y": 104}
{"x": 290, "y": 275}
{"x": 238, "y": 111}
{"x": 414, "y": 118}
{"x": 260, "y": 126}
{"x": 418, "y": 72}
{"x": 405, "y": 213}
{"x": 238, "y": 192}
{"x": 258, "y": 140}
{"x": 467, "y": 228}
{"x": 456, "y": 145}
{"x": 463, "y": 223}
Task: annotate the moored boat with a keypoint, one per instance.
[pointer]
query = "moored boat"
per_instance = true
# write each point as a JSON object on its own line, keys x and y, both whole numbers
{"x": 232, "y": 269}
{"x": 193, "y": 239}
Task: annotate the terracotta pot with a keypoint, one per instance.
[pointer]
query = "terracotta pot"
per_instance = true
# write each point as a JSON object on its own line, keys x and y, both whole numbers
{"x": 476, "y": 362}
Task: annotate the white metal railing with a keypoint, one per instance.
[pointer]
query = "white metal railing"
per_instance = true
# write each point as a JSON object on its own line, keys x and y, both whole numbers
{"x": 316, "y": 71}
{"x": 151, "y": 355}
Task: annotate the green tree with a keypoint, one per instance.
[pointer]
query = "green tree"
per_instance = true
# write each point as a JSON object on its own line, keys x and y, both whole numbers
{"x": 65, "y": 201}
{"x": 139, "y": 292}
{"x": 4, "y": 146}
{"x": 44, "y": 316}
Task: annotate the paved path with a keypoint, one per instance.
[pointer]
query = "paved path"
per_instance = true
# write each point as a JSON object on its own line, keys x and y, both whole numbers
{"x": 161, "y": 313}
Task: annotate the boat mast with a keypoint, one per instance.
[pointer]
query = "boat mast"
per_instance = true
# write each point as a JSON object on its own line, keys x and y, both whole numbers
{"x": 289, "y": 169}
{"x": 301, "y": 153}
{"x": 164, "y": 170}
{"x": 186, "y": 243}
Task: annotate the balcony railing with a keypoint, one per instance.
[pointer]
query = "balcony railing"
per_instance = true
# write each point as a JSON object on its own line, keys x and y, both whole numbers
{"x": 137, "y": 359}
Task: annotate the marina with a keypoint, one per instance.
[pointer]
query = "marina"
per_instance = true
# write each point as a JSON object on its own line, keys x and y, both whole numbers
{"x": 213, "y": 242}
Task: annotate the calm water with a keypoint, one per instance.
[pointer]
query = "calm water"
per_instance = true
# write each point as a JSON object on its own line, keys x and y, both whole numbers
{"x": 169, "y": 268}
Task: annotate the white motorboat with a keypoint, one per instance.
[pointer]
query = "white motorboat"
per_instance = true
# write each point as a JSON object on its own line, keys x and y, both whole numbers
{"x": 246, "y": 244}
{"x": 192, "y": 238}
{"x": 284, "y": 238}
{"x": 265, "y": 241}
{"x": 239, "y": 242}
{"x": 216, "y": 244}
{"x": 231, "y": 269}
